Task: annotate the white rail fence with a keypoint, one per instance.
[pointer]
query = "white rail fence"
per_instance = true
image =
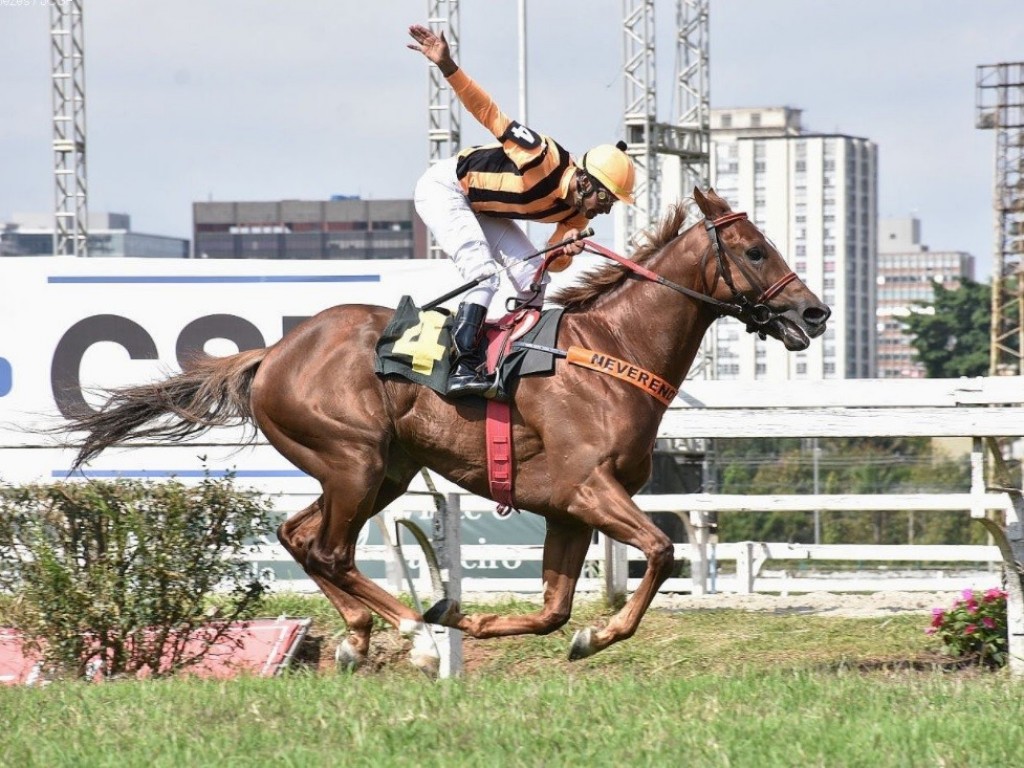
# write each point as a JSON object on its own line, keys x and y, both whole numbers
{"x": 739, "y": 567}
{"x": 982, "y": 409}
{"x": 505, "y": 555}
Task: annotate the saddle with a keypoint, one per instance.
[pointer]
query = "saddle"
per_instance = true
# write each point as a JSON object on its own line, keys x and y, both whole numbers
{"x": 415, "y": 345}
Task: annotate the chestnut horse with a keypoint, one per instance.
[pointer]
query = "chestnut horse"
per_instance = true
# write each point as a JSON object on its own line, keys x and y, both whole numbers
{"x": 583, "y": 441}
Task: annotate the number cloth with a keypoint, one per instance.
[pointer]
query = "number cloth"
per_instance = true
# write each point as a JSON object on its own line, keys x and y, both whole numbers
{"x": 415, "y": 346}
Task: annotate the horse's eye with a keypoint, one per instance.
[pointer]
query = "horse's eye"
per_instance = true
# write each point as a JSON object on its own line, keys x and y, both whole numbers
{"x": 755, "y": 254}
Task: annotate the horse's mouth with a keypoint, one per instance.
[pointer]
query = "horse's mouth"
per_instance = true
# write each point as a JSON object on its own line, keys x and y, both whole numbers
{"x": 795, "y": 338}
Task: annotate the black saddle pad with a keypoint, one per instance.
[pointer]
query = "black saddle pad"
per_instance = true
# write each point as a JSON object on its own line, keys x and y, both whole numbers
{"x": 415, "y": 345}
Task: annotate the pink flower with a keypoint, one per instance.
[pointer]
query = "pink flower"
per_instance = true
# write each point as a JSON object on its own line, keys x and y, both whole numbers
{"x": 930, "y": 631}
{"x": 938, "y": 616}
{"x": 970, "y": 629}
{"x": 994, "y": 594}
{"x": 968, "y": 595}
{"x": 988, "y": 622}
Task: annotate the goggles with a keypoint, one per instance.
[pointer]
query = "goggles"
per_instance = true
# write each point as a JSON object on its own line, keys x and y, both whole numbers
{"x": 603, "y": 194}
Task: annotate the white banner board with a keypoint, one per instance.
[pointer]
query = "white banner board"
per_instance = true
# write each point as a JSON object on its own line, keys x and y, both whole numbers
{"x": 70, "y": 326}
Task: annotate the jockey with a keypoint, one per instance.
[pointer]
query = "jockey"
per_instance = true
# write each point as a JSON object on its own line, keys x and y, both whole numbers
{"x": 469, "y": 203}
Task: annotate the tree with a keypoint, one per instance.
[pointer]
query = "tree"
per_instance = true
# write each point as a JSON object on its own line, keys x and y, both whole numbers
{"x": 952, "y": 333}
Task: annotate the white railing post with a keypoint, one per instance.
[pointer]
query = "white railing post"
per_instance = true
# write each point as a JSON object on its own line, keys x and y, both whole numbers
{"x": 447, "y": 538}
{"x": 1014, "y": 570}
{"x": 699, "y": 533}
{"x": 616, "y": 571}
{"x": 392, "y": 567}
{"x": 745, "y": 568}
{"x": 1009, "y": 537}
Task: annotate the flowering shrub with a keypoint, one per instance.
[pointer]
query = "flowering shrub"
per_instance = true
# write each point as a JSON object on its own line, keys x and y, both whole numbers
{"x": 974, "y": 628}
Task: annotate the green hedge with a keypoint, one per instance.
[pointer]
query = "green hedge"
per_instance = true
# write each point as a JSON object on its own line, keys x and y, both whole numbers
{"x": 116, "y": 576}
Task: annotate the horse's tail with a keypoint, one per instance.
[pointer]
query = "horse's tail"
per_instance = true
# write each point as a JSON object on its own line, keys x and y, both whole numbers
{"x": 210, "y": 392}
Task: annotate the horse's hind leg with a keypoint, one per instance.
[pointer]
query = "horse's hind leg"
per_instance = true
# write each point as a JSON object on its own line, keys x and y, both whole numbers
{"x": 565, "y": 549}
{"x": 352, "y": 495}
{"x": 296, "y": 534}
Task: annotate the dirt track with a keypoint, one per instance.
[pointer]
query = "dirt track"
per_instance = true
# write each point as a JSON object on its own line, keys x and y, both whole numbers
{"x": 823, "y": 603}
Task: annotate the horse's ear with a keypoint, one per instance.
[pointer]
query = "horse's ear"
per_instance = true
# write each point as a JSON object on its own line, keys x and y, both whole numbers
{"x": 702, "y": 202}
{"x": 711, "y": 205}
{"x": 718, "y": 200}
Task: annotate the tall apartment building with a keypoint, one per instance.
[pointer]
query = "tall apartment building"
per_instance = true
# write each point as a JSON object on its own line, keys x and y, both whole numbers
{"x": 815, "y": 196}
{"x": 110, "y": 235}
{"x": 339, "y": 228}
{"x": 907, "y": 272}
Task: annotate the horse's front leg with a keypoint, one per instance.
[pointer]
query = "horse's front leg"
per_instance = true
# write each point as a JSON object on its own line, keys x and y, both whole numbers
{"x": 603, "y": 503}
{"x": 565, "y": 549}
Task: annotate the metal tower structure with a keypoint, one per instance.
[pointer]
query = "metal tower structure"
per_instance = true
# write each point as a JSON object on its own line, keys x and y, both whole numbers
{"x": 1000, "y": 107}
{"x": 67, "y": 58}
{"x": 444, "y": 112}
{"x": 650, "y": 141}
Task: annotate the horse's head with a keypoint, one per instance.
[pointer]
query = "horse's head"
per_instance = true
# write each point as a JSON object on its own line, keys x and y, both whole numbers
{"x": 746, "y": 271}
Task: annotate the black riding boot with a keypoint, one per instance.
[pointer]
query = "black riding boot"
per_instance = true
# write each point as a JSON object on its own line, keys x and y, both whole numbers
{"x": 467, "y": 352}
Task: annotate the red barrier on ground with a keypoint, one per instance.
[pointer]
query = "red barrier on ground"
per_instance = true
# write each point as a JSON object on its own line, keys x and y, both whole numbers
{"x": 260, "y": 647}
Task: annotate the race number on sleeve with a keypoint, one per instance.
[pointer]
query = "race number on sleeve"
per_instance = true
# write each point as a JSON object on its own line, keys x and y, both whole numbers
{"x": 521, "y": 135}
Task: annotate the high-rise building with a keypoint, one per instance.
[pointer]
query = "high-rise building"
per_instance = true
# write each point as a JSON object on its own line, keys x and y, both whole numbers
{"x": 110, "y": 235}
{"x": 339, "y": 228}
{"x": 815, "y": 196}
{"x": 907, "y": 273}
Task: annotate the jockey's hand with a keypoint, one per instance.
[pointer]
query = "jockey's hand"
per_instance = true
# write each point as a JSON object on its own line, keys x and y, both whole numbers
{"x": 434, "y": 48}
{"x": 571, "y": 249}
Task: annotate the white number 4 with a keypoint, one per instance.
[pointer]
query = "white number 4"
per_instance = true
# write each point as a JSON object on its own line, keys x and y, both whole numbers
{"x": 524, "y": 135}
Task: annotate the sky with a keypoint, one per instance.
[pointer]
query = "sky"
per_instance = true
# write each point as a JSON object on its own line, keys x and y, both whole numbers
{"x": 198, "y": 100}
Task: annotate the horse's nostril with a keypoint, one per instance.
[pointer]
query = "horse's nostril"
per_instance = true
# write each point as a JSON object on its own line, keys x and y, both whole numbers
{"x": 816, "y": 315}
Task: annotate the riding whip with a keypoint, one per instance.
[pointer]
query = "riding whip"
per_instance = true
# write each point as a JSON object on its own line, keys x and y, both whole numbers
{"x": 588, "y": 232}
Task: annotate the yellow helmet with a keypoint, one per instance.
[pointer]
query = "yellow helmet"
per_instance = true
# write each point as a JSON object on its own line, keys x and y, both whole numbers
{"x": 611, "y": 166}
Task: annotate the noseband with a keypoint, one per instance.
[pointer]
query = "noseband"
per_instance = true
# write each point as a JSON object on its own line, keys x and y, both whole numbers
{"x": 755, "y": 315}
{"x": 758, "y": 314}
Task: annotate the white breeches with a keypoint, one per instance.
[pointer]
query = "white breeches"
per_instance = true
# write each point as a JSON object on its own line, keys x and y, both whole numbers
{"x": 477, "y": 243}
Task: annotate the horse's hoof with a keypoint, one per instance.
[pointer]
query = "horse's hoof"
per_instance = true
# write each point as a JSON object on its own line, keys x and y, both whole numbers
{"x": 427, "y": 661}
{"x": 347, "y": 658}
{"x": 442, "y": 612}
{"x": 582, "y": 644}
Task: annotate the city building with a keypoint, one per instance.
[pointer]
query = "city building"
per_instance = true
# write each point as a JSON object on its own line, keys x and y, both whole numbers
{"x": 815, "y": 196}
{"x": 339, "y": 228}
{"x": 907, "y": 272}
{"x": 110, "y": 235}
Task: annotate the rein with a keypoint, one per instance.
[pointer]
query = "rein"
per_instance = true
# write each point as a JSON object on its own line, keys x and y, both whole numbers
{"x": 755, "y": 315}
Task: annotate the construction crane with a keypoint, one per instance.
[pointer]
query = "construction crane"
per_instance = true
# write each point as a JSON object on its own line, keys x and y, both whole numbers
{"x": 1000, "y": 108}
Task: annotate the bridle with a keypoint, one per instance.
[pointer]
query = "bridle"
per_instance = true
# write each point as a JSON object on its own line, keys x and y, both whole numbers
{"x": 755, "y": 315}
